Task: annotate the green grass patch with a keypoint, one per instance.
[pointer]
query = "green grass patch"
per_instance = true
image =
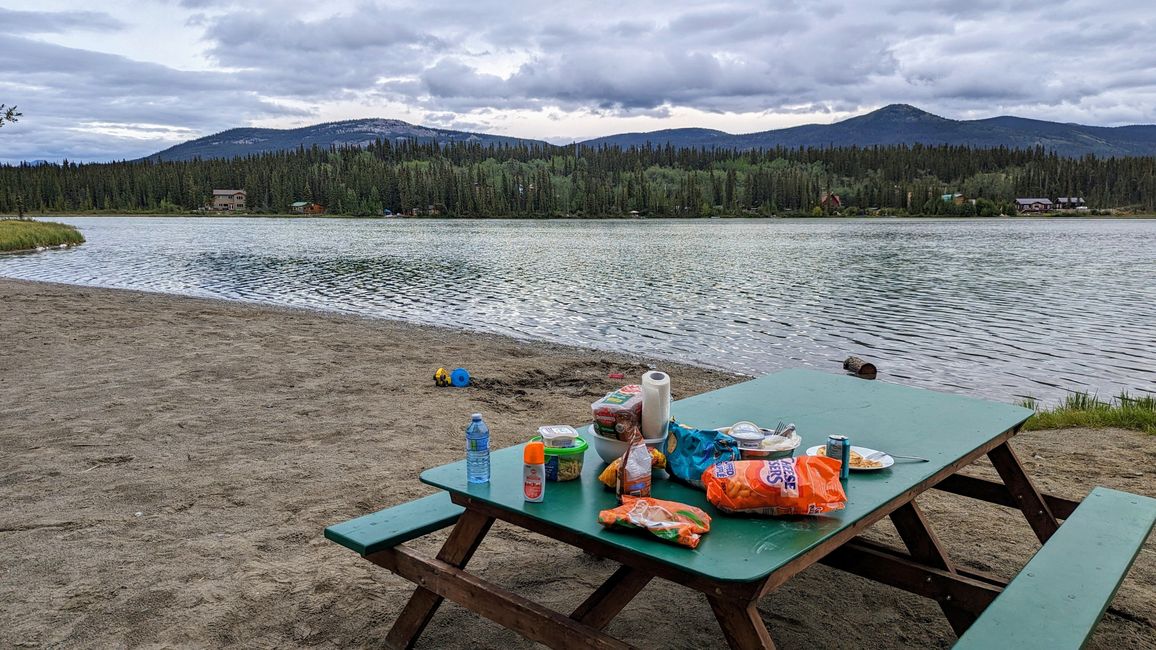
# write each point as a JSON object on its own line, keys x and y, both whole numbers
{"x": 17, "y": 235}
{"x": 1085, "y": 410}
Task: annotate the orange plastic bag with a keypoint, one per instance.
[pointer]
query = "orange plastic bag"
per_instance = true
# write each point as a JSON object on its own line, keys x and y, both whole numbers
{"x": 669, "y": 520}
{"x": 609, "y": 476}
{"x": 808, "y": 485}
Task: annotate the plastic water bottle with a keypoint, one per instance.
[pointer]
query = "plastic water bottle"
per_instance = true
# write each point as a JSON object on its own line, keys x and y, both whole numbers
{"x": 477, "y": 450}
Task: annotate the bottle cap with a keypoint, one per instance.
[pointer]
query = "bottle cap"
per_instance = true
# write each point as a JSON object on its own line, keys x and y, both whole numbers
{"x": 534, "y": 453}
{"x": 476, "y": 417}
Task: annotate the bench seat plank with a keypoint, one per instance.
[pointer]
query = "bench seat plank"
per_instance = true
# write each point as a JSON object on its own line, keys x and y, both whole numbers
{"x": 1057, "y": 599}
{"x": 397, "y": 525}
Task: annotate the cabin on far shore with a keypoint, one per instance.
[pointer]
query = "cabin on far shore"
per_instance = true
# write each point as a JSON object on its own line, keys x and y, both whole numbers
{"x": 429, "y": 211}
{"x": 228, "y": 200}
{"x": 1070, "y": 202}
{"x": 1034, "y": 205}
{"x": 305, "y": 207}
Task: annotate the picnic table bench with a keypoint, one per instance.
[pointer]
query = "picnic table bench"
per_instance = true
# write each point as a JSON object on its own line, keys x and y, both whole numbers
{"x": 1058, "y": 598}
{"x": 743, "y": 558}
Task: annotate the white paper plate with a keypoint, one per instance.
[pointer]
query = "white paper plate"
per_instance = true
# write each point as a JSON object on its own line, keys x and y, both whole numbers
{"x": 885, "y": 459}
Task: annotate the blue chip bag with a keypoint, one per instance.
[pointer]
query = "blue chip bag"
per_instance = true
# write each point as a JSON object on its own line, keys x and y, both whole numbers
{"x": 690, "y": 451}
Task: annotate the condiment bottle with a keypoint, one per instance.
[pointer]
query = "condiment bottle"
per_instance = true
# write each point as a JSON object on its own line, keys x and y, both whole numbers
{"x": 534, "y": 471}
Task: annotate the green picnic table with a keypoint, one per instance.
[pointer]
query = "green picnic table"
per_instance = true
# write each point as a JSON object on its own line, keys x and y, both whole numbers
{"x": 741, "y": 558}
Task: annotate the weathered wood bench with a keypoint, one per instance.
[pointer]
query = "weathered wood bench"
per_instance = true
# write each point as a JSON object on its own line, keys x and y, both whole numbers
{"x": 1058, "y": 598}
{"x": 397, "y": 525}
{"x": 1055, "y": 602}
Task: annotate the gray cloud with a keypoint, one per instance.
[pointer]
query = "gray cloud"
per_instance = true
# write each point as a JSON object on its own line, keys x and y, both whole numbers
{"x": 343, "y": 52}
{"x": 469, "y": 64}
{"x": 54, "y": 22}
{"x": 87, "y": 105}
{"x": 682, "y": 63}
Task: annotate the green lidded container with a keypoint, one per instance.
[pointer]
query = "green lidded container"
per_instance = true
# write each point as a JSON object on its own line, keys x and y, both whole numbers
{"x": 564, "y": 463}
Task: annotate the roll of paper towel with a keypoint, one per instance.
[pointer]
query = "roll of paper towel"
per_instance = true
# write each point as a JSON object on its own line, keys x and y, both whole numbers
{"x": 655, "y": 404}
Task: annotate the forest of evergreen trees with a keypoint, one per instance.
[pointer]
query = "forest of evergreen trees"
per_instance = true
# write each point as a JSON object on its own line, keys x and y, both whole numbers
{"x": 542, "y": 180}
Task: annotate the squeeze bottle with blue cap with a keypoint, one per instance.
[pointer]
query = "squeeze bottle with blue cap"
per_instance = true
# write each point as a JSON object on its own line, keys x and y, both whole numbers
{"x": 477, "y": 450}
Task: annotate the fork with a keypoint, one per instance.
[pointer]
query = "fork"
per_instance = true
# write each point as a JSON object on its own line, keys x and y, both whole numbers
{"x": 879, "y": 456}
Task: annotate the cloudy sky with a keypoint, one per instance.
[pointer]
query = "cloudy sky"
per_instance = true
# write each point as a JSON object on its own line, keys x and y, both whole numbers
{"x": 122, "y": 79}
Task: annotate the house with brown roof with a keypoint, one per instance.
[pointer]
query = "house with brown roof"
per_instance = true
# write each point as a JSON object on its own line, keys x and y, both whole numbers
{"x": 228, "y": 200}
{"x": 1034, "y": 205}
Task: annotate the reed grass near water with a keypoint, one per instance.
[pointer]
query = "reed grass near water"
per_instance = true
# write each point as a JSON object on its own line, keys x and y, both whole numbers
{"x": 19, "y": 235}
{"x": 1125, "y": 411}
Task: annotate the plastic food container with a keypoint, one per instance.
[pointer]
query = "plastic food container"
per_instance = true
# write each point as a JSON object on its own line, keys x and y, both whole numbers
{"x": 749, "y": 435}
{"x": 558, "y": 435}
{"x": 564, "y": 463}
{"x": 765, "y": 454}
{"x": 771, "y": 448}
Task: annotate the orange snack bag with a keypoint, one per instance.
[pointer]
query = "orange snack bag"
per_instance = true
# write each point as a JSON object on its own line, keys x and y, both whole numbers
{"x": 609, "y": 476}
{"x": 808, "y": 485}
{"x": 669, "y": 520}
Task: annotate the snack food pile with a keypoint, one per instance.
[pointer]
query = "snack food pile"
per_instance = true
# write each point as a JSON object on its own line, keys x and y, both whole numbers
{"x": 729, "y": 464}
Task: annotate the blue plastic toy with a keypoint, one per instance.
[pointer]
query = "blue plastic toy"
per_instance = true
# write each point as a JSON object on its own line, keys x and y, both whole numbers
{"x": 460, "y": 377}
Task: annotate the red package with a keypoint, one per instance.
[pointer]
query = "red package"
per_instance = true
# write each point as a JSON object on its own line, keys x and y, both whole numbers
{"x": 808, "y": 485}
{"x": 616, "y": 414}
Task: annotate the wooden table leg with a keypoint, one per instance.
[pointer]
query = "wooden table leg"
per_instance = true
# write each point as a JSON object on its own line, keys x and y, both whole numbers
{"x": 1027, "y": 497}
{"x": 604, "y": 604}
{"x": 968, "y": 590}
{"x": 741, "y": 624}
{"x": 457, "y": 550}
{"x": 997, "y": 493}
{"x": 924, "y": 546}
{"x": 502, "y": 606}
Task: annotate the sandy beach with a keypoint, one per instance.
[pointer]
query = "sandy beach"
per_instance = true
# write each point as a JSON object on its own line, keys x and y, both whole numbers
{"x": 168, "y": 465}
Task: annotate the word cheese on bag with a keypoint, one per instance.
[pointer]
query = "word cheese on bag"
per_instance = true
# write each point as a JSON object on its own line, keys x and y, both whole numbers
{"x": 792, "y": 486}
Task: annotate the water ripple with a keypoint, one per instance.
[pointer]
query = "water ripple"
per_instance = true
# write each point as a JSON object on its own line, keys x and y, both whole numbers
{"x": 997, "y": 308}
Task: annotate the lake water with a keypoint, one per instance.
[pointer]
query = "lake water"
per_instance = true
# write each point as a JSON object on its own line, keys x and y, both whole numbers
{"x": 1002, "y": 309}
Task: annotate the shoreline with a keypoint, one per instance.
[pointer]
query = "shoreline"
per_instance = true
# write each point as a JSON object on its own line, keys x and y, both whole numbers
{"x": 629, "y": 358}
{"x": 170, "y": 463}
{"x": 38, "y": 249}
{"x": 801, "y": 217}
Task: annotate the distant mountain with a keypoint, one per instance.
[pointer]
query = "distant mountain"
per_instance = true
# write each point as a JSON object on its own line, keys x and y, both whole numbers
{"x": 890, "y": 125}
{"x": 903, "y": 124}
{"x": 247, "y": 141}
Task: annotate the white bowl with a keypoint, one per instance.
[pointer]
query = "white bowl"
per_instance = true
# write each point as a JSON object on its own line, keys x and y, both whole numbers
{"x": 609, "y": 448}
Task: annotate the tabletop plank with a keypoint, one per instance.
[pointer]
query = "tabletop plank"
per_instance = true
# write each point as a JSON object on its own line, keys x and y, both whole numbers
{"x": 941, "y": 427}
